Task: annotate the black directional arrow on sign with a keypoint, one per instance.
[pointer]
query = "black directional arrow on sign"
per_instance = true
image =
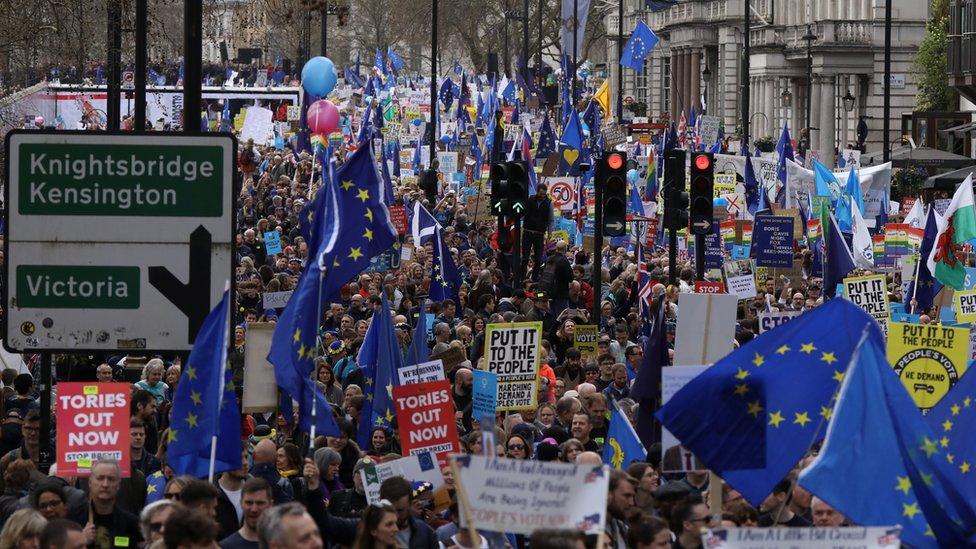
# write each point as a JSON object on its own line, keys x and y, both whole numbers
{"x": 192, "y": 298}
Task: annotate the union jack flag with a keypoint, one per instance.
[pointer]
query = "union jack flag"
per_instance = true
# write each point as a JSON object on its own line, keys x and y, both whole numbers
{"x": 579, "y": 207}
{"x": 682, "y": 130}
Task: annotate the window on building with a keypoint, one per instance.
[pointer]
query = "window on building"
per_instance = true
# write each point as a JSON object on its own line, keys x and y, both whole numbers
{"x": 665, "y": 84}
{"x": 642, "y": 83}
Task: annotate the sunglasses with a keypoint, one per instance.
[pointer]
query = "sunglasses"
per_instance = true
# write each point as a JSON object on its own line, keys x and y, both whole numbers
{"x": 173, "y": 496}
{"x": 516, "y": 447}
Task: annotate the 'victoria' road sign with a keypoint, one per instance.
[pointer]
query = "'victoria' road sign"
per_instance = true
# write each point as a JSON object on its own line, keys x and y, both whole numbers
{"x": 103, "y": 229}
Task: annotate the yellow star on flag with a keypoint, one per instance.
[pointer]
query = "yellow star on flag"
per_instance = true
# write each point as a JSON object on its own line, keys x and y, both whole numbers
{"x": 741, "y": 374}
{"x": 741, "y": 389}
{"x": 229, "y": 386}
{"x": 829, "y": 358}
{"x": 929, "y": 447}
{"x": 195, "y": 397}
{"x": 346, "y": 185}
{"x": 904, "y": 485}
{"x": 926, "y": 478}
{"x": 807, "y": 348}
{"x": 776, "y": 418}
{"x": 950, "y": 458}
{"x": 947, "y": 425}
{"x": 838, "y": 376}
{"x": 172, "y": 434}
{"x": 151, "y": 489}
{"x": 758, "y": 360}
{"x": 826, "y": 412}
{"x": 755, "y": 408}
{"x": 369, "y": 214}
{"x": 944, "y": 441}
{"x": 801, "y": 419}
{"x": 955, "y": 409}
{"x": 783, "y": 350}
{"x": 368, "y": 234}
{"x": 355, "y": 253}
{"x": 966, "y": 402}
{"x": 297, "y": 336}
{"x": 964, "y": 468}
{"x": 909, "y": 510}
{"x": 363, "y": 195}
{"x": 301, "y": 351}
{"x": 191, "y": 420}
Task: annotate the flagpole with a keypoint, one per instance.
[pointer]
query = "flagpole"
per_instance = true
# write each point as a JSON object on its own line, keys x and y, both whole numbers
{"x": 223, "y": 370}
{"x": 918, "y": 267}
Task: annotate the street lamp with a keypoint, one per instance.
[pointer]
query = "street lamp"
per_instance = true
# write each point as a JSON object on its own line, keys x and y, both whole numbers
{"x": 848, "y": 102}
{"x": 809, "y": 37}
{"x": 787, "y": 98}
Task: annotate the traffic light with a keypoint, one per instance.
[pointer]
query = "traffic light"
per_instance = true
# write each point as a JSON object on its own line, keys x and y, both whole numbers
{"x": 702, "y": 180}
{"x": 499, "y": 189}
{"x": 518, "y": 187}
{"x": 611, "y": 174}
{"x": 675, "y": 197}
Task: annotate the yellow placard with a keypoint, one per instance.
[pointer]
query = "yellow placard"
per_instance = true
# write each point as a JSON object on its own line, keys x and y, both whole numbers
{"x": 928, "y": 358}
{"x": 965, "y": 302}
{"x": 561, "y": 234}
{"x": 513, "y": 351}
{"x": 84, "y": 463}
{"x": 585, "y": 339}
{"x": 90, "y": 389}
{"x": 870, "y": 293}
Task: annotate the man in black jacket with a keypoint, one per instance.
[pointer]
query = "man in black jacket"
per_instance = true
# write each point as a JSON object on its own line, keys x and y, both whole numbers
{"x": 535, "y": 224}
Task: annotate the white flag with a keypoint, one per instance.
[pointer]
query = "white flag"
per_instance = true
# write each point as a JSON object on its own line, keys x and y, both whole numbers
{"x": 861, "y": 247}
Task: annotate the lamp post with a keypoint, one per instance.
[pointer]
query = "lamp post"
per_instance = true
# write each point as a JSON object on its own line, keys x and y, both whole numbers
{"x": 707, "y": 77}
{"x": 849, "y": 101}
{"x": 809, "y": 37}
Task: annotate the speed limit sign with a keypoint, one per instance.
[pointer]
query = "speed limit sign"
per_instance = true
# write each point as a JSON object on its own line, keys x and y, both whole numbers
{"x": 562, "y": 192}
{"x": 128, "y": 80}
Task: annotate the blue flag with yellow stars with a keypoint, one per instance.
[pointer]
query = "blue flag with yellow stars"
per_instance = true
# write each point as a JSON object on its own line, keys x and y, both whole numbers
{"x": 444, "y": 280}
{"x": 642, "y": 40}
{"x": 205, "y": 405}
{"x": 755, "y": 413}
{"x": 882, "y": 464}
{"x": 570, "y": 146}
{"x": 380, "y": 358}
{"x": 622, "y": 446}
{"x": 547, "y": 140}
{"x": 954, "y": 419}
{"x": 354, "y": 206}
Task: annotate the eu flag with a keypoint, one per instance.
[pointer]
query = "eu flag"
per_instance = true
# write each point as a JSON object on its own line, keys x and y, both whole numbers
{"x": 547, "y": 140}
{"x": 380, "y": 359}
{"x": 925, "y": 287}
{"x": 838, "y": 260}
{"x": 954, "y": 421}
{"x": 881, "y": 464}
{"x": 445, "y": 280}
{"x": 571, "y": 146}
{"x": 354, "y": 206}
{"x": 395, "y": 60}
{"x": 750, "y": 184}
{"x": 205, "y": 405}
{"x": 647, "y": 384}
{"x": 784, "y": 147}
{"x": 640, "y": 43}
{"x": 622, "y": 447}
{"x": 752, "y": 416}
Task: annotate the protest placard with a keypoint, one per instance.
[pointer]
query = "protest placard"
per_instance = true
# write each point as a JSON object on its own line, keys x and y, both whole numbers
{"x": 260, "y": 388}
{"x": 521, "y": 496}
{"x": 425, "y": 413}
{"x": 928, "y": 358}
{"x": 847, "y": 537}
{"x": 513, "y": 352}
{"x": 398, "y": 216}
{"x": 709, "y": 287}
{"x": 451, "y": 358}
{"x": 257, "y": 125}
{"x": 276, "y": 300}
{"x": 773, "y": 241}
{"x": 92, "y": 424}
{"x": 484, "y": 394}
{"x": 793, "y": 213}
{"x": 421, "y": 373}
{"x": 708, "y": 129}
{"x": 771, "y": 319}
{"x": 871, "y": 294}
{"x": 272, "y": 242}
{"x": 585, "y": 339}
{"x": 739, "y": 278}
{"x": 421, "y": 466}
{"x": 674, "y": 456}
{"x": 965, "y": 305}
{"x": 706, "y": 327}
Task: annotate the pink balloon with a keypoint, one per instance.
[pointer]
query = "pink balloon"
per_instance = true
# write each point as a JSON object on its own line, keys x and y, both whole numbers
{"x": 39, "y": 120}
{"x": 323, "y": 117}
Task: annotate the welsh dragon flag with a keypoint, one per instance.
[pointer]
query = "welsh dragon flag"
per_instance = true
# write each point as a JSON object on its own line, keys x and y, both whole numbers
{"x": 955, "y": 228}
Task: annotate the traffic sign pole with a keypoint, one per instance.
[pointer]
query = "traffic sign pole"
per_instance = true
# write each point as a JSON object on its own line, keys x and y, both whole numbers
{"x": 699, "y": 257}
{"x": 595, "y": 261}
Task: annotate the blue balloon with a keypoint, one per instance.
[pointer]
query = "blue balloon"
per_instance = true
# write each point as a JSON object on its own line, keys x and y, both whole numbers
{"x": 633, "y": 176}
{"x": 720, "y": 201}
{"x": 446, "y": 138}
{"x": 319, "y": 76}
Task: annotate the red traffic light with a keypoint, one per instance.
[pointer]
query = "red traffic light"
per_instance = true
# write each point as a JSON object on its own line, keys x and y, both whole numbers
{"x": 615, "y": 161}
{"x": 702, "y": 162}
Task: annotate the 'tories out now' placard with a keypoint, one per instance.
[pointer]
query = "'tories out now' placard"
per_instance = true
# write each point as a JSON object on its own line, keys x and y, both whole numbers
{"x": 93, "y": 424}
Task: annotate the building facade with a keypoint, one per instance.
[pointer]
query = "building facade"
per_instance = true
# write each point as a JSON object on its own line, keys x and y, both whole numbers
{"x": 698, "y": 63}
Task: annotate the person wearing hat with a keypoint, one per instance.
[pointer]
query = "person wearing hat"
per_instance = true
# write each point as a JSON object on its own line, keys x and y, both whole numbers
{"x": 350, "y": 502}
{"x": 540, "y": 311}
{"x": 345, "y": 368}
{"x": 10, "y": 433}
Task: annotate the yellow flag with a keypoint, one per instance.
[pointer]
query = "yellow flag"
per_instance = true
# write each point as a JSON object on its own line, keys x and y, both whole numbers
{"x": 602, "y": 97}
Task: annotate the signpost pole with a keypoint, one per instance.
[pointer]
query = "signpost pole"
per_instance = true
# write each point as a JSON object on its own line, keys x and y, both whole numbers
{"x": 699, "y": 257}
{"x": 44, "y": 446}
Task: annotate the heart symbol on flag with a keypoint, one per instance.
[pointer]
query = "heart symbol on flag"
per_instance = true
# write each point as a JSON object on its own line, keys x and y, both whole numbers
{"x": 570, "y": 156}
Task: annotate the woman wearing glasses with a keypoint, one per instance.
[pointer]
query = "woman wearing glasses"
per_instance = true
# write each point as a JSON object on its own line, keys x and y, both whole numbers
{"x": 378, "y": 529}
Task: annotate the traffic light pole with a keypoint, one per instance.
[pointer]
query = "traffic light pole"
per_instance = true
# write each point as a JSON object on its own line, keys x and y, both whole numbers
{"x": 597, "y": 259}
{"x": 672, "y": 257}
{"x": 699, "y": 257}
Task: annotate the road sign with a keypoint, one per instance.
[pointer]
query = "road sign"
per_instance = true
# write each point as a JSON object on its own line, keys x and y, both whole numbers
{"x": 115, "y": 241}
{"x": 128, "y": 80}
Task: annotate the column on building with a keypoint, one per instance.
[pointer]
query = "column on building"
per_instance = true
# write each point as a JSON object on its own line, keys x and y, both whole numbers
{"x": 845, "y": 117}
{"x": 771, "y": 118}
{"x": 686, "y": 71}
{"x": 797, "y": 109}
{"x": 677, "y": 77}
{"x": 694, "y": 74}
{"x": 828, "y": 117}
{"x": 814, "y": 123}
